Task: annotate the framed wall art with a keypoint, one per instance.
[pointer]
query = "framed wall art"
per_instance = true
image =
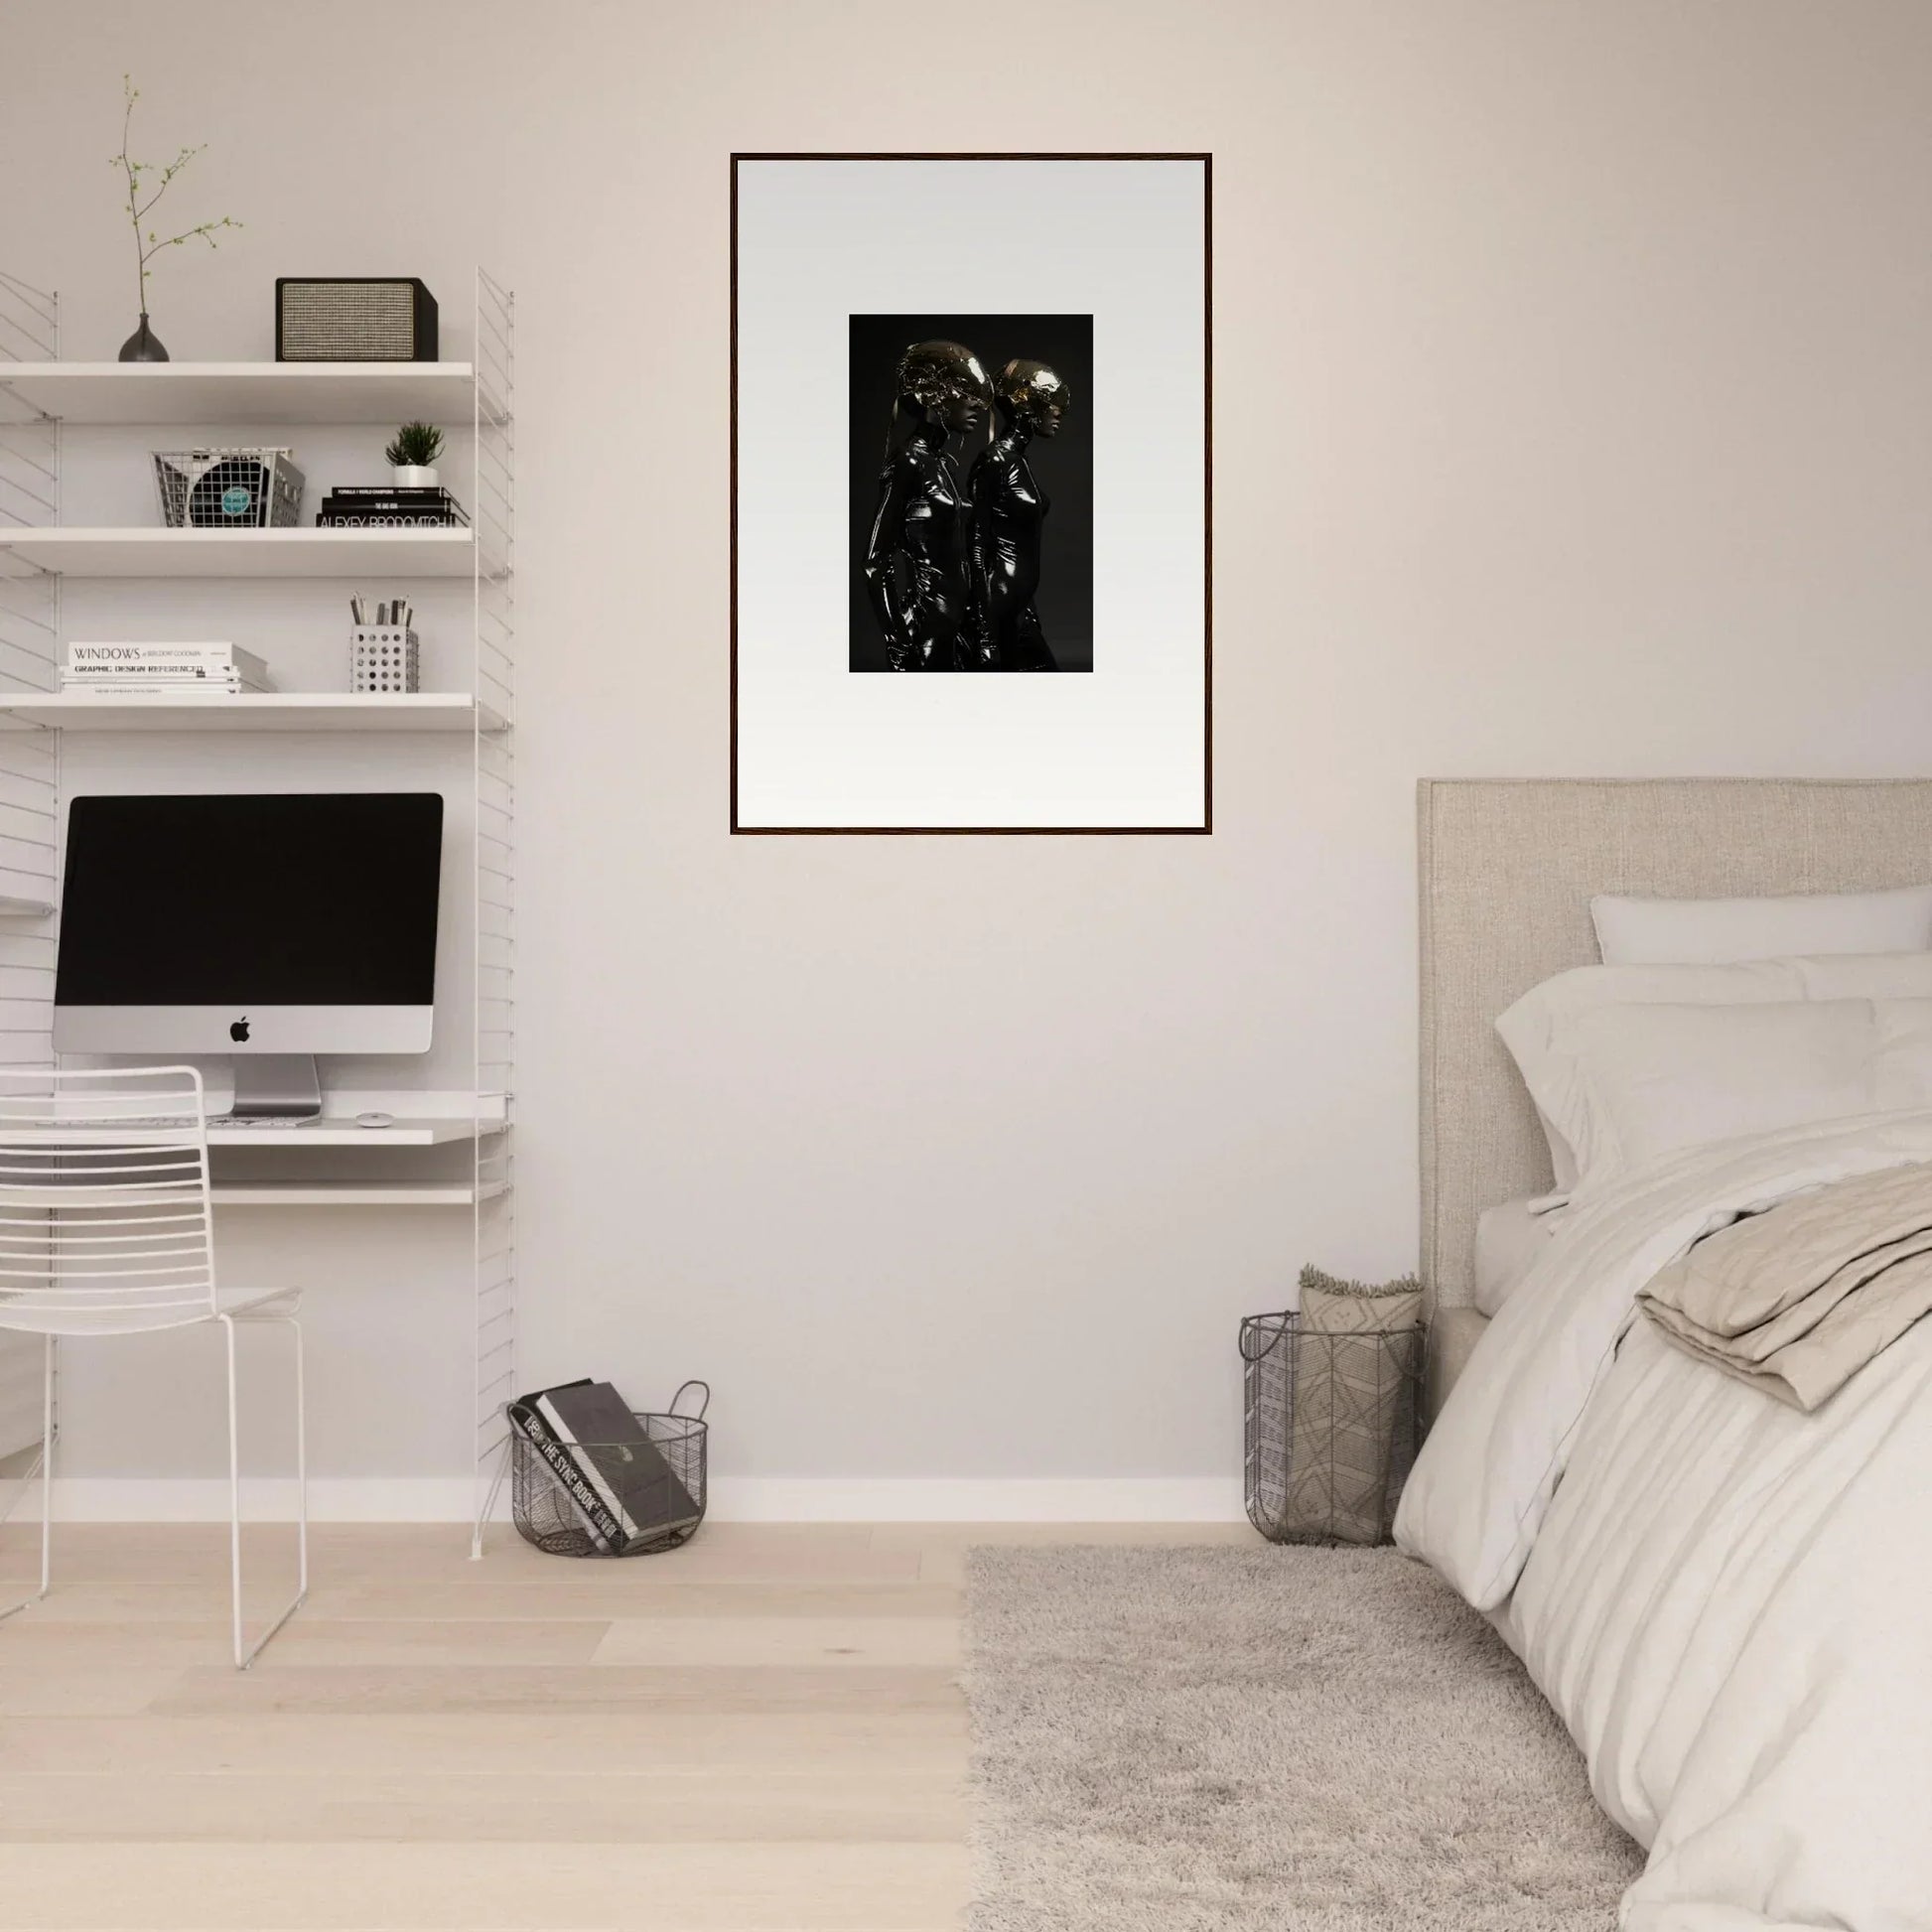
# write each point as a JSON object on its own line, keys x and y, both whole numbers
{"x": 971, "y": 490}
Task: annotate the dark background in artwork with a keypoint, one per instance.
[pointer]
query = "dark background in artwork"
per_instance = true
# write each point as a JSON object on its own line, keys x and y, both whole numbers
{"x": 1064, "y": 467}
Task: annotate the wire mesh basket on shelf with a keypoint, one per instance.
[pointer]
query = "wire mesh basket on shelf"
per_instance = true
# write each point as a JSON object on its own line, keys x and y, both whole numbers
{"x": 553, "y": 1509}
{"x": 1332, "y": 1425}
{"x": 228, "y": 490}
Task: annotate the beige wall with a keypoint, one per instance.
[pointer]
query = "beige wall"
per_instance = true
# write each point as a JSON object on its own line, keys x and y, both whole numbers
{"x": 1575, "y": 387}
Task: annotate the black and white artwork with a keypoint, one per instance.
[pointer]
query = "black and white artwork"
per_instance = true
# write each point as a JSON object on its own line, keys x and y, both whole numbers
{"x": 970, "y": 509}
{"x": 972, "y": 492}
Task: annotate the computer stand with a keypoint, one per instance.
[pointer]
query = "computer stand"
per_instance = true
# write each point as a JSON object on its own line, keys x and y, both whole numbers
{"x": 276, "y": 1086}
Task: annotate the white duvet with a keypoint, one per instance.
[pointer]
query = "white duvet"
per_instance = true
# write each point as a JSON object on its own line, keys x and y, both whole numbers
{"x": 1730, "y": 1602}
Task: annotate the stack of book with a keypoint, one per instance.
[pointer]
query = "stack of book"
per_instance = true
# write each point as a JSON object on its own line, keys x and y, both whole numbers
{"x": 157, "y": 671}
{"x": 384, "y": 506}
{"x": 617, "y": 1479}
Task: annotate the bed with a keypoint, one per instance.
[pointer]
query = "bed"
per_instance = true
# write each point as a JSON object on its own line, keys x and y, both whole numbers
{"x": 1723, "y": 1598}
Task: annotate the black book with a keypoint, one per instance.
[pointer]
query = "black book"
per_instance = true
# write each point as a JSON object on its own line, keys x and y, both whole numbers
{"x": 365, "y": 518}
{"x": 442, "y": 509}
{"x": 598, "y": 1519}
{"x": 593, "y": 1424}
{"x": 411, "y": 492}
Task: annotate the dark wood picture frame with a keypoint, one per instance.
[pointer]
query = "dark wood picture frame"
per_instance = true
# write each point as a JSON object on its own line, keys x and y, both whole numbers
{"x": 1206, "y": 826}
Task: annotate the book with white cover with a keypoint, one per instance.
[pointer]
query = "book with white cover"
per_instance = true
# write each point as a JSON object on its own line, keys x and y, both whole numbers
{"x": 160, "y": 682}
{"x": 133, "y": 649}
{"x": 161, "y": 675}
{"x": 86, "y": 659}
{"x": 214, "y": 690}
{"x": 159, "y": 667}
{"x": 164, "y": 681}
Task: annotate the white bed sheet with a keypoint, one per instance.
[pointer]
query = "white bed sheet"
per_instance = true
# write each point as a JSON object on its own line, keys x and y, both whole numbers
{"x": 1722, "y": 1598}
{"x": 1510, "y": 1241}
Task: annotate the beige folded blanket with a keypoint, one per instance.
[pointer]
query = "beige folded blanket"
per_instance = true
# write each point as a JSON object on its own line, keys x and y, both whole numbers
{"x": 1797, "y": 1300}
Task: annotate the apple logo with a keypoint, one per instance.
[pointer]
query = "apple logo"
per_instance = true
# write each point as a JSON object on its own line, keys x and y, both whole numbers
{"x": 239, "y": 1031}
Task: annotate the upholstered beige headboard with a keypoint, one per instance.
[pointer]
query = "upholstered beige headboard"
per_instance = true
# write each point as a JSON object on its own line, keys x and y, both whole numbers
{"x": 1508, "y": 868}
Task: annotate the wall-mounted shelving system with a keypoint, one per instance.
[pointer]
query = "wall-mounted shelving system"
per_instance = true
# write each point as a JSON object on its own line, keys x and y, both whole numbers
{"x": 40, "y": 396}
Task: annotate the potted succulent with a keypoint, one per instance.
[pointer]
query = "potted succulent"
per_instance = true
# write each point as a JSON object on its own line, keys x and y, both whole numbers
{"x": 412, "y": 455}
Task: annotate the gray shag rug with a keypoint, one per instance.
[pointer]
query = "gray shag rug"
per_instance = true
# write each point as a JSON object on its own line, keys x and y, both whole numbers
{"x": 1219, "y": 1740}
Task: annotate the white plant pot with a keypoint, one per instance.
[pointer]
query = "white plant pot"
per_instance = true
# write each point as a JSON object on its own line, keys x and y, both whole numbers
{"x": 414, "y": 476}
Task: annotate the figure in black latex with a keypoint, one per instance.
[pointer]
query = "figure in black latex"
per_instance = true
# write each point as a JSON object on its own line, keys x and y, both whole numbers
{"x": 1009, "y": 508}
{"x": 916, "y": 555}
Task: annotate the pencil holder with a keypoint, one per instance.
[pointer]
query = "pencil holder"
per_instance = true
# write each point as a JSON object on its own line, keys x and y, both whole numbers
{"x": 384, "y": 658}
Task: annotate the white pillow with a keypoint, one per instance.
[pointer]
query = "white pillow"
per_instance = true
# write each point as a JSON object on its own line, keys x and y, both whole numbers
{"x": 1660, "y": 1078}
{"x": 1539, "y": 1030}
{"x": 1717, "y": 931}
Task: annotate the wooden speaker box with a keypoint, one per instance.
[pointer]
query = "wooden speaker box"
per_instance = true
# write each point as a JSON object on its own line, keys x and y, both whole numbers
{"x": 353, "y": 319}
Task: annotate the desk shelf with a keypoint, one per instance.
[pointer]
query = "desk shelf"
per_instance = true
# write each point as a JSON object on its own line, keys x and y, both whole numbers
{"x": 345, "y": 1133}
{"x": 438, "y": 1130}
{"x": 267, "y": 711}
{"x": 351, "y": 1193}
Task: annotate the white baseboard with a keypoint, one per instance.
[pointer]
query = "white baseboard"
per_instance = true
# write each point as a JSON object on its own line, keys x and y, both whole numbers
{"x": 736, "y": 1499}
{"x": 947, "y": 1499}
{"x": 198, "y": 1499}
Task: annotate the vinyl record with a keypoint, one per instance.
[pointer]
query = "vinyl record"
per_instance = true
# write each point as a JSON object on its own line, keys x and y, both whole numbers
{"x": 233, "y": 492}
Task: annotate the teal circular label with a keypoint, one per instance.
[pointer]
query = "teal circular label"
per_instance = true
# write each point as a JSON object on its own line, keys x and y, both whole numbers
{"x": 236, "y": 500}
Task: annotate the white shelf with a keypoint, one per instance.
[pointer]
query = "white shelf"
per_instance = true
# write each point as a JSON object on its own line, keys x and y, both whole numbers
{"x": 347, "y": 1193}
{"x": 25, "y": 908}
{"x": 244, "y": 392}
{"x": 300, "y": 552}
{"x": 327, "y": 1132}
{"x": 345, "y": 1133}
{"x": 269, "y": 711}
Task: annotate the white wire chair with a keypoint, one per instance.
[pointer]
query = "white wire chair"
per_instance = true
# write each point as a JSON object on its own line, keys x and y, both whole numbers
{"x": 106, "y": 1228}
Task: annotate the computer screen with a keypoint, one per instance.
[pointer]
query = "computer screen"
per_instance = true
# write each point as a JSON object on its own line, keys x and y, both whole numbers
{"x": 274, "y": 922}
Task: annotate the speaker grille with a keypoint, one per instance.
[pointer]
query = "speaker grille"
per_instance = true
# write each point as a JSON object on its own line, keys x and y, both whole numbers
{"x": 349, "y": 321}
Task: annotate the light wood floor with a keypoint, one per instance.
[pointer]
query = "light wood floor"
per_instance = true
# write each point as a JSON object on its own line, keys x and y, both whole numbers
{"x": 759, "y": 1732}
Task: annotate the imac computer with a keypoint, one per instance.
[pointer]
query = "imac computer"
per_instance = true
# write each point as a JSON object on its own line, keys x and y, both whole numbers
{"x": 271, "y": 926}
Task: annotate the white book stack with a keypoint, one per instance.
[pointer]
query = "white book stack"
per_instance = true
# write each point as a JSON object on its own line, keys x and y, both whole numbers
{"x": 163, "y": 670}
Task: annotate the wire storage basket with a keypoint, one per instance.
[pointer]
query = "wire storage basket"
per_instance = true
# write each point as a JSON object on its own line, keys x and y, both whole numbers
{"x": 228, "y": 490}
{"x": 563, "y": 1500}
{"x": 1332, "y": 1425}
